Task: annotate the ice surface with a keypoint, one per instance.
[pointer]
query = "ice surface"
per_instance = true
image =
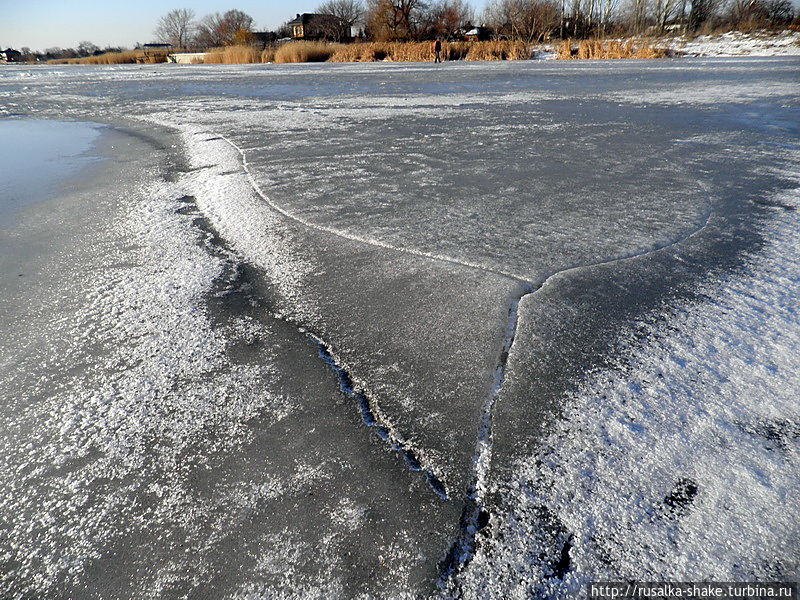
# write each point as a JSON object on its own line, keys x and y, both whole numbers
{"x": 39, "y": 156}
{"x": 163, "y": 423}
{"x": 679, "y": 460}
{"x": 396, "y": 213}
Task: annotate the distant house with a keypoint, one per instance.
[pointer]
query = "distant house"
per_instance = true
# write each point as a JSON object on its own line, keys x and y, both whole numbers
{"x": 10, "y": 56}
{"x": 477, "y": 34}
{"x": 312, "y": 26}
{"x": 301, "y": 25}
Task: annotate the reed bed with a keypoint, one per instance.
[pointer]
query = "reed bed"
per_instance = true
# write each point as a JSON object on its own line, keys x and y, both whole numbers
{"x": 410, "y": 52}
{"x": 361, "y": 52}
{"x": 499, "y": 50}
{"x": 306, "y": 51}
{"x": 268, "y": 54}
{"x": 113, "y": 58}
{"x": 303, "y": 52}
{"x": 233, "y": 55}
{"x": 422, "y": 51}
{"x": 608, "y": 49}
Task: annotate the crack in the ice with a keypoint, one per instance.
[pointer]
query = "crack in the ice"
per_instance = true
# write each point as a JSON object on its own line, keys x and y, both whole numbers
{"x": 371, "y": 417}
{"x": 428, "y": 255}
{"x": 475, "y": 516}
{"x": 369, "y": 413}
{"x": 351, "y": 237}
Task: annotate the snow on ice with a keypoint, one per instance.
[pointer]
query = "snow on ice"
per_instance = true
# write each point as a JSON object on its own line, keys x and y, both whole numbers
{"x": 172, "y": 431}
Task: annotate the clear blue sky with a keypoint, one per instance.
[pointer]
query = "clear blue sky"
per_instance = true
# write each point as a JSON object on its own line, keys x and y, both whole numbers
{"x": 39, "y": 24}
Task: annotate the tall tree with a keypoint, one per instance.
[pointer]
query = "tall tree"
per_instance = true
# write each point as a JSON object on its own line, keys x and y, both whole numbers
{"x": 176, "y": 27}
{"x": 208, "y": 31}
{"x": 87, "y": 48}
{"x": 526, "y": 20}
{"x": 662, "y": 11}
{"x": 702, "y": 11}
{"x": 220, "y": 29}
{"x": 236, "y": 20}
{"x": 393, "y": 19}
{"x": 445, "y": 17}
{"x": 607, "y": 10}
{"x": 639, "y": 15}
{"x": 347, "y": 13}
{"x": 779, "y": 12}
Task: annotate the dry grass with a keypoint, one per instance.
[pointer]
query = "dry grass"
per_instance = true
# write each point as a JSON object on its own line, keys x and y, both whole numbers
{"x": 268, "y": 54}
{"x": 239, "y": 55}
{"x": 499, "y": 50}
{"x": 411, "y": 51}
{"x": 300, "y": 52}
{"x": 233, "y": 55}
{"x": 369, "y": 52}
{"x": 303, "y": 52}
{"x": 421, "y": 51}
{"x": 113, "y": 58}
{"x": 608, "y": 49}
{"x": 291, "y": 52}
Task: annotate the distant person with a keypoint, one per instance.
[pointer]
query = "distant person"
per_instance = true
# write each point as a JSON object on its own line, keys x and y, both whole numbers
{"x": 437, "y": 51}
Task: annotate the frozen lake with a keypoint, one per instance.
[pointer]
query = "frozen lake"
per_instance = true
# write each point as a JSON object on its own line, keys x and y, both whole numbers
{"x": 39, "y": 156}
{"x": 404, "y": 330}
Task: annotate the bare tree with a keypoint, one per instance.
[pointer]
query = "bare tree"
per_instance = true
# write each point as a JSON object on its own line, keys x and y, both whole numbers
{"x": 702, "y": 11}
{"x": 779, "y": 12}
{"x": 393, "y": 19}
{"x": 284, "y": 31}
{"x": 347, "y": 13}
{"x": 209, "y": 31}
{"x": 236, "y": 20}
{"x": 221, "y": 29}
{"x": 176, "y": 27}
{"x": 638, "y": 16}
{"x": 324, "y": 26}
{"x": 87, "y": 48}
{"x": 662, "y": 11}
{"x": 444, "y": 18}
{"x": 607, "y": 11}
{"x": 526, "y": 20}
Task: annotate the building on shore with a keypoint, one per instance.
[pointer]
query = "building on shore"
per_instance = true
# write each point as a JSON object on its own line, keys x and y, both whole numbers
{"x": 10, "y": 56}
{"x": 313, "y": 26}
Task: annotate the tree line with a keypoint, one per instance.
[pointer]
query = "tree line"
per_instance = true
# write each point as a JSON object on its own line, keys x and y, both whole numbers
{"x": 82, "y": 50}
{"x": 415, "y": 20}
{"x": 525, "y": 20}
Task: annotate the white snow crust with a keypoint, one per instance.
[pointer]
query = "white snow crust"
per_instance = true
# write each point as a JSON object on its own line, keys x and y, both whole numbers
{"x": 709, "y": 403}
{"x": 737, "y": 43}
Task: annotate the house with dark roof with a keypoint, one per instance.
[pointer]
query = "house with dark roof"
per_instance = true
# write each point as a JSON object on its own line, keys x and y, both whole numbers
{"x": 314, "y": 26}
{"x": 10, "y": 56}
{"x": 300, "y": 25}
{"x": 476, "y": 34}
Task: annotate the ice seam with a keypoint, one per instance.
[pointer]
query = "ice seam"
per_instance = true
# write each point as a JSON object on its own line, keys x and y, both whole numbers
{"x": 355, "y": 238}
{"x": 475, "y": 516}
{"x": 372, "y": 417}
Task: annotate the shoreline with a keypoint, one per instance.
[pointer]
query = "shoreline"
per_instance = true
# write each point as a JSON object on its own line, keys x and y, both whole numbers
{"x": 733, "y": 43}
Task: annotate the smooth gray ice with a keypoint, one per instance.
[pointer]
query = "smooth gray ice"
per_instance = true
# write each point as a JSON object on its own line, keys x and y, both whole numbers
{"x": 39, "y": 157}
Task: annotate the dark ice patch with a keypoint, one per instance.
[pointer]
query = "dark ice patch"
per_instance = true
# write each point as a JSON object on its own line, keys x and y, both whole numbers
{"x": 679, "y": 500}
